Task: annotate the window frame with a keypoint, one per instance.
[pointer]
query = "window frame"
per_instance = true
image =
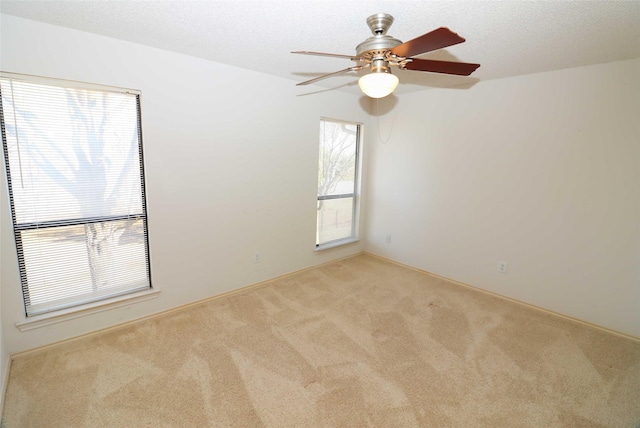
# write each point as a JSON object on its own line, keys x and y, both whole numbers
{"x": 355, "y": 195}
{"x": 87, "y": 303}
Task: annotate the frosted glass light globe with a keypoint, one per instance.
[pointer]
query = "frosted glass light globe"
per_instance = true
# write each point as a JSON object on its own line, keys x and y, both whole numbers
{"x": 378, "y": 85}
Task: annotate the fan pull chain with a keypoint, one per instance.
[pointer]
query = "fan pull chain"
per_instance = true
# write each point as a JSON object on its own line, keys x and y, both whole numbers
{"x": 393, "y": 120}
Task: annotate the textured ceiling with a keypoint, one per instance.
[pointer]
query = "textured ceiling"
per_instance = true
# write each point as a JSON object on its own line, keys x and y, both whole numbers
{"x": 508, "y": 38}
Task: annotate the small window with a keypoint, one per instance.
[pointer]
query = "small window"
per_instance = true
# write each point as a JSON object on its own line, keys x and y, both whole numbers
{"x": 73, "y": 155}
{"x": 338, "y": 183}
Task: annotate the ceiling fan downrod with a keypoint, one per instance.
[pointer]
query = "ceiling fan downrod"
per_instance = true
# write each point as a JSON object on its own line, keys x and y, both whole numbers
{"x": 380, "y": 42}
{"x": 380, "y": 23}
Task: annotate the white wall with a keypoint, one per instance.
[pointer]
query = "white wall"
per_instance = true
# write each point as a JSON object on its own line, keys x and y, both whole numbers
{"x": 4, "y": 354}
{"x": 541, "y": 171}
{"x": 230, "y": 161}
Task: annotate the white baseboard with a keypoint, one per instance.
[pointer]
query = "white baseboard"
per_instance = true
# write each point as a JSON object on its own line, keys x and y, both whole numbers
{"x": 510, "y": 299}
{"x": 5, "y": 383}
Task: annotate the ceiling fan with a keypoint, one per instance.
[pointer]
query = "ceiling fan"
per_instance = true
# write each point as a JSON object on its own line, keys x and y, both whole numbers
{"x": 381, "y": 51}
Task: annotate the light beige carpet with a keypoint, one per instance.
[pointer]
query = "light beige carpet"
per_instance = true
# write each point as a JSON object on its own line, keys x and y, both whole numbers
{"x": 357, "y": 343}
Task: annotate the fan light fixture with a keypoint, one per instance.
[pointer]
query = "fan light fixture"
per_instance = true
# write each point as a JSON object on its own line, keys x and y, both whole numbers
{"x": 380, "y": 82}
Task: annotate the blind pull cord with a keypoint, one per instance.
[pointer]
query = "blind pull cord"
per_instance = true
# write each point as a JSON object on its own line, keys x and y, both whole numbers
{"x": 15, "y": 124}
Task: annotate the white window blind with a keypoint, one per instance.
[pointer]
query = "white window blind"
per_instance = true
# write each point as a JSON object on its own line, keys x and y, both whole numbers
{"x": 73, "y": 155}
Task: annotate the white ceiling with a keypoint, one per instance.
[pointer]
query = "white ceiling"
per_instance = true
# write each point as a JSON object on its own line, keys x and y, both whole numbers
{"x": 508, "y": 38}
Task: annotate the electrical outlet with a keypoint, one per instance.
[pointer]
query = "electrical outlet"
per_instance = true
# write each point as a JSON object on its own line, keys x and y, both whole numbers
{"x": 256, "y": 257}
{"x": 387, "y": 238}
{"x": 502, "y": 267}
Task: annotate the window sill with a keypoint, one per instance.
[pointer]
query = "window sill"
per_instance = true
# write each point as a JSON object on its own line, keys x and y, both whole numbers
{"x": 80, "y": 311}
{"x": 338, "y": 243}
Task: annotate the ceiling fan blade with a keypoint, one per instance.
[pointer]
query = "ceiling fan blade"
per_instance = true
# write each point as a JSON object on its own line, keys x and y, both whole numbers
{"x": 447, "y": 67}
{"x": 351, "y": 57}
{"x": 437, "y": 39}
{"x": 324, "y": 76}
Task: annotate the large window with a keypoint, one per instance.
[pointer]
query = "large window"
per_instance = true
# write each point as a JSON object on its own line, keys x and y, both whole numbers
{"x": 338, "y": 183}
{"x": 73, "y": 155}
